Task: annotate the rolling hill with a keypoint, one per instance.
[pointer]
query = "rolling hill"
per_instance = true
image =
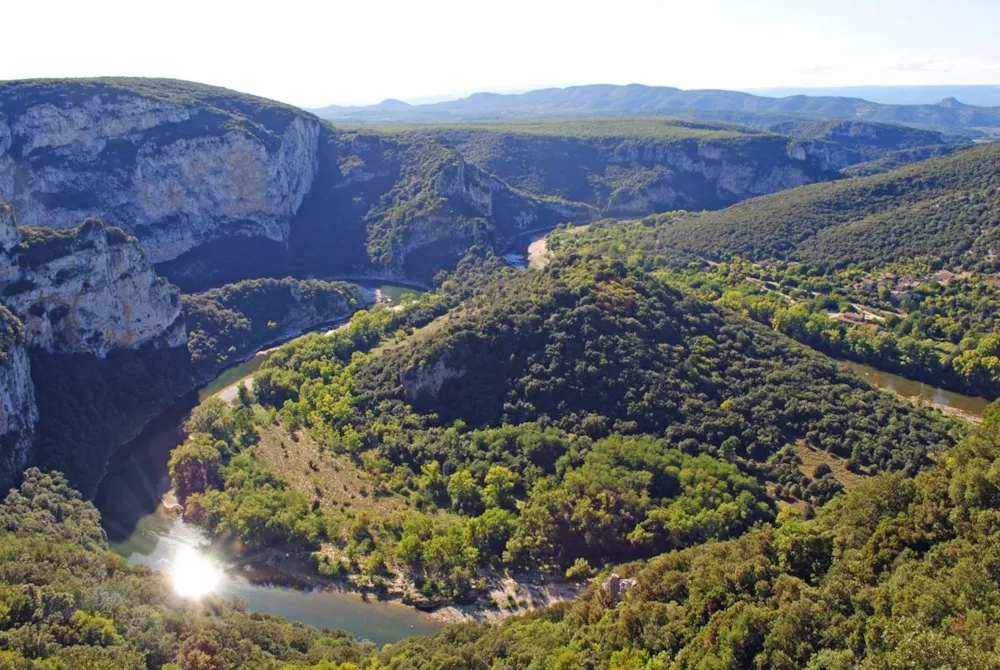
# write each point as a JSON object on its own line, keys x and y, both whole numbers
{"x": 944, "y": 208}
{"x": 639, "y": 100}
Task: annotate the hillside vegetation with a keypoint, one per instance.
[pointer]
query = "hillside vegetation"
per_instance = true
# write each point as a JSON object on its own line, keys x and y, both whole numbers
{"x": 67, "y": 602}
{"x": 229, "y": 323}
{"x": 648, "y": 412}
{"x": 899, "y": 573}
{"x": 944, "y": 208}
{"x": 554, "y": 421}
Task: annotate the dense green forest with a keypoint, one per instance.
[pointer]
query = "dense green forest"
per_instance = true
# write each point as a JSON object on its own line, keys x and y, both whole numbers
{"x": 228, "y": 323}
{"x": 650, "y": 416}
{"x": 496, "y": 432}
{"x": 899, "y": 573}
{"x": 896, "y": 271}
{"x": 906, "y": 317}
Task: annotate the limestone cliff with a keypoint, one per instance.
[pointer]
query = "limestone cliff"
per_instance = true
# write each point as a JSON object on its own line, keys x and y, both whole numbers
{"x": 219, "y": 186}
{"x": 69, "y": 299}
{"x": 18, "y": 411}
{"x": 175, "y": 164}
{"x": 405, "y": 206}
{"x": 475, "y": 208}
{"x": 90, "y": 289}
{"x": 639, "y": 167}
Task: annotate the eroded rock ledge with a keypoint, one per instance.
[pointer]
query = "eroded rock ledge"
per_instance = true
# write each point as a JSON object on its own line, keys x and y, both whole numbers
{"x": 88, "y": 290}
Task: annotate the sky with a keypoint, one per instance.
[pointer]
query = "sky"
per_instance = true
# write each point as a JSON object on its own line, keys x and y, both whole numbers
{"x": 363, "y": 51}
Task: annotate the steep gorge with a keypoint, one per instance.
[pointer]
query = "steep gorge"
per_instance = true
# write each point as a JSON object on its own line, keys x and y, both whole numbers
{"x": 220, "y": 186}
{"x": 192, "y": 170}
{"x": 211, "y": 186}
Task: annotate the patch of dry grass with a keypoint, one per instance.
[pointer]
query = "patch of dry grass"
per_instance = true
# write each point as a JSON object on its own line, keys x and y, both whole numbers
{"x": 333, "y": 480}
{"x": 811, "y": 458}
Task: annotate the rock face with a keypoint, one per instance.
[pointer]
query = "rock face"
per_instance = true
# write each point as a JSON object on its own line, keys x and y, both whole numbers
{"x": 405, "y": 206}
{"x": 428, "y": 379}
{"x": 89, "y": 289}
{"x": 18, "y": 411}
{"x": 636, "y": 175}
{"x": 174, "y": 164}
{"x": 219, "y": 186}
{"x": 614, "y": 589}
{"x": 476, "y": 208}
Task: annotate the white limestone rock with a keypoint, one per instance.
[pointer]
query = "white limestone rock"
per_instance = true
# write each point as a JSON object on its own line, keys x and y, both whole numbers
{"x": 175, "y": 174}
{"x": 18, "y": 411}
{"x": 90, "y": 290}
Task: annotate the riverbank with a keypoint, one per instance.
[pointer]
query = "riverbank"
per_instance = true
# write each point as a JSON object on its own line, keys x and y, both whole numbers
{"x": 500, "y": 595}
{"x": 965, "y": 407}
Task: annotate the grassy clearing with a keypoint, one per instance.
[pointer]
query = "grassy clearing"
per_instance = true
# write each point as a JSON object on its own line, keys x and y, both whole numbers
{"x": 418, "y": 333}
{"x": 811, "y": 458}
{"x": 333, "y": 480}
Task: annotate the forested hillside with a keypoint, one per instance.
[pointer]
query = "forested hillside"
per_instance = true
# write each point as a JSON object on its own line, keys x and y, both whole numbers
{"x": 596, "y": 348}
{"x": 566, "y": 490}
{"x": 67, "y": 602}
{"x": 899, "y": 573}
{"x": 944, "y": 208}
{"x": 648, "y": 415}
{"x": 229, "y": 323}
{"x": 491, "y": 434}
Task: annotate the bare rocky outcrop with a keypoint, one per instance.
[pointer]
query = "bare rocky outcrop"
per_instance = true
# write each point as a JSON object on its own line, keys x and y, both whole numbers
{"x": 86, "y": 290}
{"x": 18, "y": 411}
{"x": 700, "y": 174}
{"x": 175, "y": 170}
{"x": 192, "y": 171}
{"x": 614, "y": 589}
{"x": 623, "y": 173}
{"x": 428, "y": 379}
{"x": 90, "y": 289}
{"x": 479, "y": 208}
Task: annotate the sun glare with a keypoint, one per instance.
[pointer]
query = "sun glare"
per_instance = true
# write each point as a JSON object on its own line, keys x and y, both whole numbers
{"x": 194, "y": 575}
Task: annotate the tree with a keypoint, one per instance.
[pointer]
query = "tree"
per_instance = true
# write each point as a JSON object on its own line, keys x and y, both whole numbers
{"x": 195, "y": 466}
{"x": 500, "y": 484}
{"x": 464, "y": 492}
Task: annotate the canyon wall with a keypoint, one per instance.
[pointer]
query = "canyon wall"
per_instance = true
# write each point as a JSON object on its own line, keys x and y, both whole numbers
{"x": 177, "y": 165}
{"x": 84, "y": 292}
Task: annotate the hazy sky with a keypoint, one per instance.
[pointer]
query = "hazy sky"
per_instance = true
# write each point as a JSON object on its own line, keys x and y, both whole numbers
{"x": 315, "y": 53}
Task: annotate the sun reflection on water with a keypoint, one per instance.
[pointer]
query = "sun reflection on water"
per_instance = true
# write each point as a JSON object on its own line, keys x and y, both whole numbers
{"x": 194, "y": 575}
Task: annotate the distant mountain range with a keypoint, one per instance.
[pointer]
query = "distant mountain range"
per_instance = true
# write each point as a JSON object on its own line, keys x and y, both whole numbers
{"x": 638, "y": 100}
{"x": 983, "y": 96}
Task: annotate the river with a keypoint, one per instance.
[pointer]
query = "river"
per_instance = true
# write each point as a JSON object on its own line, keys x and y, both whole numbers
{"x": 970, "y": 407}
{"x": 143, "y": 530}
